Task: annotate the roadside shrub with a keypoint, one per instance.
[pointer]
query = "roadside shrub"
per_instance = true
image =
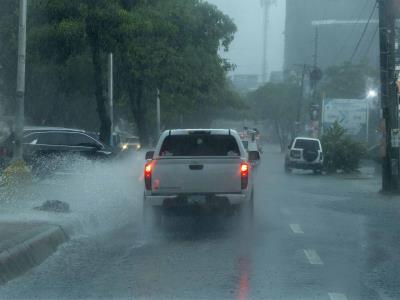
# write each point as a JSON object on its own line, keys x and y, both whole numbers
{"x": 16, "y": 173}
{"x": 341, "y": 151}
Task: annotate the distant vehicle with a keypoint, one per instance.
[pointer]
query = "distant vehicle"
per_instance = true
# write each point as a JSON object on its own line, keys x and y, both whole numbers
{"x": 252, "y": 146}
{"x": 130, "y": 143}
{"x": 251, "y": 137}
{"x": 208, "y": 168}
{"x": 251, "y": 140}
{"x": 304, "y": 153}
{"x": 44, "y": 146}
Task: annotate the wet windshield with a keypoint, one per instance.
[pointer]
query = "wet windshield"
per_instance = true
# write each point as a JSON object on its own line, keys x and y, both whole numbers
{"x": 200, "y": 145}
{"x": 200, "y": 149}
{"x": 132, "y": 140}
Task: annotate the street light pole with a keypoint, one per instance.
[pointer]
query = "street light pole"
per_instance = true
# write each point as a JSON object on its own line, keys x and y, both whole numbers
{"x": 111, "y": 95}
{"x": 20, "y": 95}
{"x": 158, "y": 113}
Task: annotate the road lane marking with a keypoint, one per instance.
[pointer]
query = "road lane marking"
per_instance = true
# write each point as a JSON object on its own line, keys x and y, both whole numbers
{"x": 296, "y": 228}
{"x": 337, "y": 296}
{"x": 313, "y": 257}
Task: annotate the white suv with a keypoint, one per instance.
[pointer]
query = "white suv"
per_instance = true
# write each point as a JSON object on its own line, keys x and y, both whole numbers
{"x": 304, "y": 153}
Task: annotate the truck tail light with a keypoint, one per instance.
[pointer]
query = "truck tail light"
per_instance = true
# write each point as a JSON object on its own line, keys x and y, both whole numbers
{"x": 244, "y": 175}
{"x": 148, "y": 168}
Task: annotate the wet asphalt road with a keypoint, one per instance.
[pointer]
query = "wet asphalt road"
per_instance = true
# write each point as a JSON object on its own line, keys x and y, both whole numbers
{"x": 314, "y": 237}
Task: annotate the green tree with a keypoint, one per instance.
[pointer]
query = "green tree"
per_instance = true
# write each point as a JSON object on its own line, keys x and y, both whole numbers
{"x": 90, "y": 27}
{"x": 56, "y": 93}
{"x": 348, "y": 81}
{"x": 341, "y": 152}
{"x": 174, "y": 48}
{"x": 278, "y": 103}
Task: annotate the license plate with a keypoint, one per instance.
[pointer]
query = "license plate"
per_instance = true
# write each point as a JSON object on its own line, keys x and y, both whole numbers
{"x": 197, "y": 199}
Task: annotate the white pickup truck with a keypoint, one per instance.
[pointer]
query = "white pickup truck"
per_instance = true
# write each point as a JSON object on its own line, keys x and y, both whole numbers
{"x": 200, "y": 167}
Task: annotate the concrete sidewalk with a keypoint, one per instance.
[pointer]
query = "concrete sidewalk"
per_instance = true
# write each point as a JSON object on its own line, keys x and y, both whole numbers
{"x": 25, "y": 245}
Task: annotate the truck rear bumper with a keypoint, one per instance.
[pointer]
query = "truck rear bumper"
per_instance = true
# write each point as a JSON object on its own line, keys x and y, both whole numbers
{"x": 185, "y": 200}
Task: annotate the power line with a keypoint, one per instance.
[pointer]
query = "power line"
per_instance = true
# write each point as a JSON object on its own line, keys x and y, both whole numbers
{"x": 361, "y": 13}
{"x": 371, "y": 41}
{"x": 363, "y": 33}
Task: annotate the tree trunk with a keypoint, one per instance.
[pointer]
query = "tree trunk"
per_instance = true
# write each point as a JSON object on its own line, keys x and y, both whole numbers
{"x": 136, "y": 97}
{"x": 105, "y": 122}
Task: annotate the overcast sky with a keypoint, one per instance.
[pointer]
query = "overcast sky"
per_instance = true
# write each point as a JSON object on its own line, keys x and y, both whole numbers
{"x": 246, "y": 50}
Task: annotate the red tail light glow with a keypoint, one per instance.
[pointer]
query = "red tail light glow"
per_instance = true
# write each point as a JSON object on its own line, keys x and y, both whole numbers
{"x": 147, "y": 175}
{"x": 147, "y": 169}
{"x": 244, "y": 174}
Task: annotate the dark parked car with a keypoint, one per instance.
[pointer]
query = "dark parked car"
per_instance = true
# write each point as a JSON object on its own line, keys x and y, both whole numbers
{"x": 46, "y": 147}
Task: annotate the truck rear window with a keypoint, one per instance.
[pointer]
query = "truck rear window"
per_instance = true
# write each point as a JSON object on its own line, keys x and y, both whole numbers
{"x": 199, "y": 145}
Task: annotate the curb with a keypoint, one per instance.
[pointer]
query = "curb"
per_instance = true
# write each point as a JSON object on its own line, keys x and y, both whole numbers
{"x": 19, "y": 259}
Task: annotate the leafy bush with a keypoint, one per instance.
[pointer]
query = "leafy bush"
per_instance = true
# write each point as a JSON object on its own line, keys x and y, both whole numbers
{"x": 16, "y": 173}
{"x": 341, "y": 151}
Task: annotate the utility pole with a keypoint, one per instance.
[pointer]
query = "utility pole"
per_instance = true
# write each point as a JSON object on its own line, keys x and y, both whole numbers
{"x": 389, "y": 102}
{"x": 301, "y": 100}
{"x": 158, "y": 113}
{"x": 111, "y": 95}
{"x": 316, "y": 40}
{"x": 264, "y": 72}
{"x": 315, "y": 72}
{"x": 315, "y": 77}
{"x": 20, "y": 95}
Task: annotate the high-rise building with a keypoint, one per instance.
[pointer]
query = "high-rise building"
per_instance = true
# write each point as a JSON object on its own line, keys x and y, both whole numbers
{"x": 331, "y": 30}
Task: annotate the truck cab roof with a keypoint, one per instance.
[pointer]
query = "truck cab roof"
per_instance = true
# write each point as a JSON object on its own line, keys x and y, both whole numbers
{"x": 200, "y": 131}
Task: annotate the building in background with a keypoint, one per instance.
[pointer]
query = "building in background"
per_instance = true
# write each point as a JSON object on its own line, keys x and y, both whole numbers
{"x": 331, "y": 29}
